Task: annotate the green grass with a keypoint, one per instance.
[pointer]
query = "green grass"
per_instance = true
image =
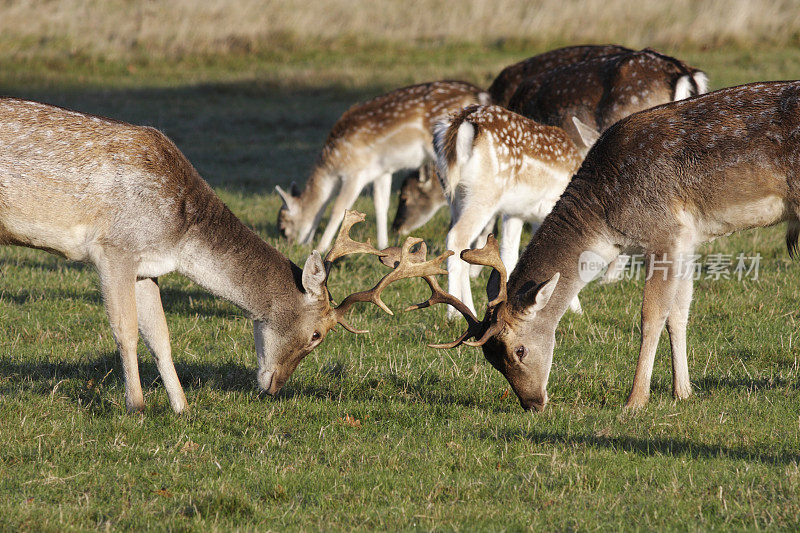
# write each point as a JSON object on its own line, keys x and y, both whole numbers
{"x": 377, "y": 431}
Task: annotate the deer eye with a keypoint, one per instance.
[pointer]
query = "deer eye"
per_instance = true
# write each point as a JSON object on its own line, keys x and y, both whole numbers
{"x": 520, "y": 352}
{"x": 316, "y": 336}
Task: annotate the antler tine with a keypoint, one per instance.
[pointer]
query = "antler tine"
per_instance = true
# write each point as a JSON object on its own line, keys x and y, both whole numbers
{"x": 489, "y": 256}
{"x": 406, "y": 267}
{"x": 438, "y": 296}
{"x": 344, "y": 244}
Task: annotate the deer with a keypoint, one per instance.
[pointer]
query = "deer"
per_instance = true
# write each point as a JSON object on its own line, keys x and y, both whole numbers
{"x": 505, "y": 84}
{"x": 421, "y": 197}
{"x": 494, "y": 162}
{"x": 663, "y": 180}
{"x": 602, "y": 90}
{"x": 599, "y": 90}
{"x": 124, "y": 199}
{"x": 370, "y": 142}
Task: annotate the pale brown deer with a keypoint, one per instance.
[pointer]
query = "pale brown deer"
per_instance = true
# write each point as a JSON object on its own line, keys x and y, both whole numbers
{"x": 602, "y": 90}
{"x": 126, "y": 200}
{"x": 370, "y": 142}
{"x": 663, "y": 180}
{"x": 505, "y": 84}
{"x": 494, "y": 162}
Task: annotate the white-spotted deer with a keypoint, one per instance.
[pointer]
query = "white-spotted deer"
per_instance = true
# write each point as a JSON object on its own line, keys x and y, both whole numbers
{"x": 367, "y": 144}
{"x": 602, "y": 90}
{"x": 505, "y": 84}
{"x": 663, "y": 180}
{"x": 126, "y": 200}
{"x": 493, "y": 163}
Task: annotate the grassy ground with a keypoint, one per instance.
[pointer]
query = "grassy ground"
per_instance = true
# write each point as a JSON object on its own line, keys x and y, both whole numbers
{"x": 376, "y": 431}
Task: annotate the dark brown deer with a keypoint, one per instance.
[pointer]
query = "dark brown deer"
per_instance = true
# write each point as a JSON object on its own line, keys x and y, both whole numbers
{"x": 126, "y": 200}
{"x": 370, "y": 142}
{"x": 603, "y": 90}
{"x": 663, "y": 180}
{"x": 506, "y": 83}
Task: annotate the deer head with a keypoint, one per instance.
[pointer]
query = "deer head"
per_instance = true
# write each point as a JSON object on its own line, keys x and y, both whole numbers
{"x": 421, "y": 196}
{"x": 512, "y": 339}
{"x": 290, "y": 216}
{"x": 284, "y": 340}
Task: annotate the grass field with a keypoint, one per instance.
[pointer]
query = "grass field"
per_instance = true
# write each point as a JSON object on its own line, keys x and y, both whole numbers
{"x": 376, "y": 431}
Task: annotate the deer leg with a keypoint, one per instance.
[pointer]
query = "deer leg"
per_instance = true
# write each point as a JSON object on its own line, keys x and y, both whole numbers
{"x": 463, "y": 232}
{"x": 117, "y": 281}
{"x": 480, "y": 242}
{"x": 659, "y": 294}
{"x": 676, "y": 327}
{"x": 348, "y": 194}
{"x": 153, "y": 328}
{"x": 381, "y": 196}
{"x": 509, "y": 241}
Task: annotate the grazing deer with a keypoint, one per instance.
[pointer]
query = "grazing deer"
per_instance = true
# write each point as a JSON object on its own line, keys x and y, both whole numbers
{"x": 366, "y": 145}
{"x": 663, "y": 180}
{"x": 492, "y": 163}
{"x": 506, "y": 83}
{"x": 601, "y": 91}
{"x": 421, "y": 196}
{"x": 126, "y": 200}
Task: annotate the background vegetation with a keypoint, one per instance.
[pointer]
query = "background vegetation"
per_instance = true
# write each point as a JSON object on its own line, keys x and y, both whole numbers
{"x": 376, "y": 431}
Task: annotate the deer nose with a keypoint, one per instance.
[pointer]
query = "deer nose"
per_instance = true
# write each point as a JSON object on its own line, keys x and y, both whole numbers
{"x": 537, "y": 404}
{"x": 269, "y": 382}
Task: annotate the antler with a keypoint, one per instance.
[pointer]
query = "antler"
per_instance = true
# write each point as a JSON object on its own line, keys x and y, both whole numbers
{"x": 407, "y": 265}
{"x": 489, "y": 255}
{"x": 345, "y": 245}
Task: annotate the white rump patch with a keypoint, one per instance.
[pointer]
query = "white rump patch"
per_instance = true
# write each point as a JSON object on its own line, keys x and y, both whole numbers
{"x": 701, "y": 79}
{"x": 683, "y": 88}
{"x": 464, "y": 139}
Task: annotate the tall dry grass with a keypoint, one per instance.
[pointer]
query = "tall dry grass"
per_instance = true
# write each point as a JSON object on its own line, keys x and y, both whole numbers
{"x": 169, "y": 27}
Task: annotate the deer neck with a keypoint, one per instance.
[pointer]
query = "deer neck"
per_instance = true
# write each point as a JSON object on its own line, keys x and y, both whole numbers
{"x": 573, "y": 228}
{"x": 317, "y": 192}
{"x": 230, "y": 260}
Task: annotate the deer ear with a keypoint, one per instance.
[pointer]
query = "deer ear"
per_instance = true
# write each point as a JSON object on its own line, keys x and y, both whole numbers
{"x": 288, "y": 199}
{"x": 588, "y": 134}
{"x": 537, "y": 297}
{"x": 422, "y": 174}
{"x": 314, "y": 275}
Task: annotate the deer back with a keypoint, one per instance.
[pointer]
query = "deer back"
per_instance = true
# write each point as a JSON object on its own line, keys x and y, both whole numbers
{"x": 603, "y": 90}
{"x": 499, "y": 144}
{"x": 506, "y": 83}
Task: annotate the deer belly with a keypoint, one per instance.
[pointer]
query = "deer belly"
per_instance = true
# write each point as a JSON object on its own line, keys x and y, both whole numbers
{"x": 763, "y": 212}
{"x": 71, "y": 241}
{"x": 402, "y": 150}
{"x": 528, "y": 203}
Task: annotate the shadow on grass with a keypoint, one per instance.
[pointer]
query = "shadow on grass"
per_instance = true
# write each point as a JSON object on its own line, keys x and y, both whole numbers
{"x": 647, "y": 447}
{"x": 244, "y": 135}
{"x": 42, "y": 377}
{"x": 708, "y": 383}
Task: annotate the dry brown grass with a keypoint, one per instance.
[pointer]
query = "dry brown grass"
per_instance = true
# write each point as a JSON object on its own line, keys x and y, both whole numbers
{"x": 115, "y": 28}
